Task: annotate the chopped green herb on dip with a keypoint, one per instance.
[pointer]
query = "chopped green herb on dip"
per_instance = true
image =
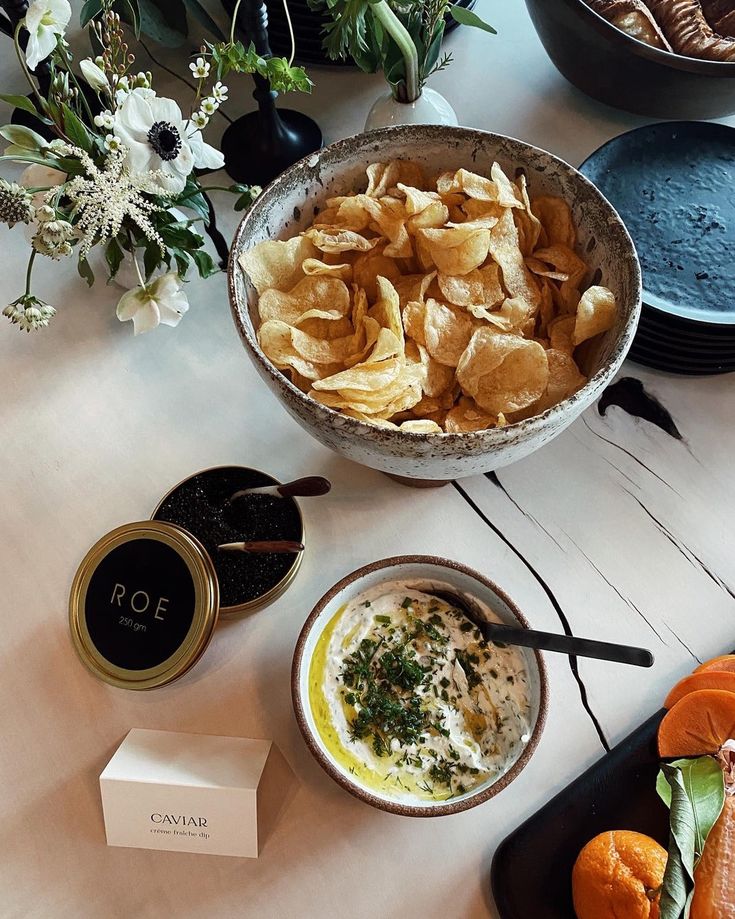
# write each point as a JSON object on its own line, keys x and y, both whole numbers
{"x": 409, "y": 698}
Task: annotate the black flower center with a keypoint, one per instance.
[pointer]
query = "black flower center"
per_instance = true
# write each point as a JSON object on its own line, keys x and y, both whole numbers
{"x": 165, "y": 140}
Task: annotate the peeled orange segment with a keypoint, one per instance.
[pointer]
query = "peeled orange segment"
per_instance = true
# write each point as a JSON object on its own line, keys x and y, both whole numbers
{"x": 707, "y": 679}
{"x": 714, "y": 879}
{"x": 699, "y": 723}
{"x": 725, "y": 662}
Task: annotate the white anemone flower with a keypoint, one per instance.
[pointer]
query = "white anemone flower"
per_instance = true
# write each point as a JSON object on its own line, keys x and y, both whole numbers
{"x": 45, "y": 20}
{"x": 161, "y": 301}
{"x": 154, "y": 133}
{"x": 205, "y": 155}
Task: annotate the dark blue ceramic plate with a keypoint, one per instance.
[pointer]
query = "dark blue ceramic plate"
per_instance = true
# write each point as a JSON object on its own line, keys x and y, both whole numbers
{"x": 674, "y": 186}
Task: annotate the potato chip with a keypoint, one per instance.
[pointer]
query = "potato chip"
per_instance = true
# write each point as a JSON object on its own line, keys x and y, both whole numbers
{"x": 505, "y": 250}
{"x": 595, "y": 314}
{"x": 556, "y": 219}
{"x": 335, "y": 240}
{"x": 456, "y": 250}
{"x": 502, "y": 373}
{"x": 275, "y": 339}
{"x": 506, "y": 190}
{"x": 447, "y": 330}
{"x": 313, "y": 266}
{"x": 420, "y": 427}
{"x": 464, "y": 306}
{"x": 561, "y": 333}
{"x": 466, "y": 416}
{"x": 369, "y": 265}
{"x": 309, "y": 294}
{"x": 277, "y": 264}
{"x": 384, "y": 176}
{"x": 414, "y": 317}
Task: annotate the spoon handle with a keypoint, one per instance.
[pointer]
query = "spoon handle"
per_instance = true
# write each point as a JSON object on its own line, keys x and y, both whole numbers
{"x": 274, "y": 545}
{"x": 566, "y": 644}
{"x": 310, "y": 486}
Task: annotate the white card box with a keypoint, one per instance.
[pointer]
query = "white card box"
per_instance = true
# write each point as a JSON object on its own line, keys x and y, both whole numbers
{"x": 193, "y": 792}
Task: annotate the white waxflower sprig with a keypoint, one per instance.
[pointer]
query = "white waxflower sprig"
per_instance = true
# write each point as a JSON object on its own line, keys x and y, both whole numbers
{"x": 200, "y": 68}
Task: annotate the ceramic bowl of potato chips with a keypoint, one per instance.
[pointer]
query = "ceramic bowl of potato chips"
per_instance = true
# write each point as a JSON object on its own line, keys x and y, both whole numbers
{"x": 434, "y": 302}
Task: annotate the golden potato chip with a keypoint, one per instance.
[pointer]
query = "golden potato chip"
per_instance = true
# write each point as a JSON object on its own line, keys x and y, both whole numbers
{"x": 420, "y": 427}
{"x": 335, "y": 240}
{"x": 313, "y": 266}
{"x": 389, "y": 218}
{"x": 414, "y": 317}
{"x": 475, "y": 292}
{"x": 447, "y": 330}
{"x": 502, "y": 373}
{"x": 595, "y": 314}
{"x": 275, "y": 339}
{"x": 505, "y": 249}
{"x": 384, "y": 176}
{"x": 561, "y": 333}
{"x": 438, "y": 378}
{"x": 556, "y": 219}
{"x": 278, "y": 264}
{"x": 507, "y": 194}
{"x": 367, "y": 266}
{"x": 456, "y": 250}
{"x": 309, "y": 294}
{"x": 467, "y": 416}
{"x": 532, "y": 228}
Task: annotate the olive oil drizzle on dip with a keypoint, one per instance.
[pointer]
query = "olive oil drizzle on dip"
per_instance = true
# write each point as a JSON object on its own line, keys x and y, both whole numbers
{"x": 409, "y": 698}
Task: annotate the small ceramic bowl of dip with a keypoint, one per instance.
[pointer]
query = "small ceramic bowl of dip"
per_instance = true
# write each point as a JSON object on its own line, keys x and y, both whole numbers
{"x": 399, "y": 698}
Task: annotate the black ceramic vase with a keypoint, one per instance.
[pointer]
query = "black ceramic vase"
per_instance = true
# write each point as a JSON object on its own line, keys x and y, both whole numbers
{"x": 260, "y": 145}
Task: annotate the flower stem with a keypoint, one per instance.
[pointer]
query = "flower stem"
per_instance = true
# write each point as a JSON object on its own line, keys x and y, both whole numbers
{"x": 234, "y": 21}
{"x": 400, "y": 35}
{"x": 29, "y": 271}
{"x": 26, "y": 71}
{"x": 67, "y": 64}
{"x": 290, "y": 32}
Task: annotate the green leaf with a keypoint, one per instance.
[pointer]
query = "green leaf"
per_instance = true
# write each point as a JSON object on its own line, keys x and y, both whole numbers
{"x": 204, "y": 263}
{"x": 113, "y": 256}
{"x": 193, "y": 198}
{"x": 75, "y": 130}
{"x": 164, "y": 21}
{"x": 694, "y": 789}
{"x": 181, "y": 258}
{"x": 152, "y": 258}
{"x": 131, "y": 12}
{"x": 20, "y": 136}
{"x": 85, "y": 271}
{"x": 21, "y": 102}
{"x": 468, "y": 18}
{"x": 90, "y": 9}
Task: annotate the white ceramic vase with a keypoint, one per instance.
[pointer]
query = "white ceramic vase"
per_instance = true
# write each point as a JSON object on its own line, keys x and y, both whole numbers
{"x": 430, "y": 108}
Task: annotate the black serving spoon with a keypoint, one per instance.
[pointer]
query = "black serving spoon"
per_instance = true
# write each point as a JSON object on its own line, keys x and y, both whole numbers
{"x": 544, "y": 641}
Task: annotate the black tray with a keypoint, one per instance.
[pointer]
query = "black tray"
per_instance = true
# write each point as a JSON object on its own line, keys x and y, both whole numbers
{"x": 532, "y": 870}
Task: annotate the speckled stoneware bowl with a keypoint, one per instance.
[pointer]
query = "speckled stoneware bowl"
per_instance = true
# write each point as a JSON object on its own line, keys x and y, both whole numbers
{"x": 288, "y": 206}
{"x": 423, "y": 572}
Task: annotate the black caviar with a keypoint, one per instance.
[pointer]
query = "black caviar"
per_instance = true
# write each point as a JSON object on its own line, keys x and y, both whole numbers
{"x": 201, "y": 505}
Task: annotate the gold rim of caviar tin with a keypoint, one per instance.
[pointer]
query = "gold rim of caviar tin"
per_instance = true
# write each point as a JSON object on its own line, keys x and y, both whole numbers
{"x": 206, "y": 605}
{"x": 239, "y": 609}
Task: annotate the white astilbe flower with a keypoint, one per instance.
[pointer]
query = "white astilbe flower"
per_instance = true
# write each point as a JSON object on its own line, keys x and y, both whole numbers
{"x": 103, "y": 198}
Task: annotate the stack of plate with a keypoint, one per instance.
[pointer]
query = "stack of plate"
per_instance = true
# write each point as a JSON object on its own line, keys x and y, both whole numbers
{"x": 674, "y": 186}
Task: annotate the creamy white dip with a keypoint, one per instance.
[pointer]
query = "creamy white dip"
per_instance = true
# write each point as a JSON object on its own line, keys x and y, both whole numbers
{"x": 442, "y": 713}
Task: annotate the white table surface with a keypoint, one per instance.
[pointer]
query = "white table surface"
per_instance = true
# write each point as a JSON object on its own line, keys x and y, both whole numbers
{"x": 630, "y": 529}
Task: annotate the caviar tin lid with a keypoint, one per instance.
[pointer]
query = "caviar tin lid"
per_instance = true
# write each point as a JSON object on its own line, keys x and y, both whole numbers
{"x": 143, "y": 605}
{"x": 203, "y": 505}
